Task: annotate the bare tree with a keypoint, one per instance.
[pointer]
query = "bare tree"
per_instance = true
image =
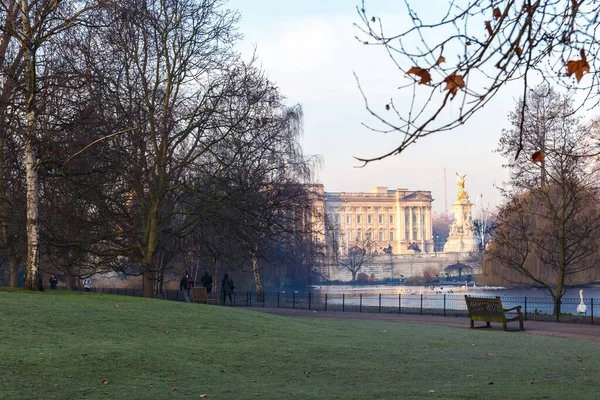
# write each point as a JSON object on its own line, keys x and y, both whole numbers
{"x": 471, "y": 51}
{"x": 31, "y": 24}
{"x": 547, "y": 234}
{"x": 357, "y": 256}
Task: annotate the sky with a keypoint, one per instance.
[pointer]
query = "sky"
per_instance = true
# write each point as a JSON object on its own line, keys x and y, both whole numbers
{"x": 309, "y": 49}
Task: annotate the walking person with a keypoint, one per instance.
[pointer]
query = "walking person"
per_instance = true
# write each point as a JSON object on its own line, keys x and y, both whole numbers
{"x": 53, "y": 282}
{"x": 206, "y": 281}
{"x": 87, "y": 284}
{"x": 185, "y": 285}
{"x": 227, "y": 287}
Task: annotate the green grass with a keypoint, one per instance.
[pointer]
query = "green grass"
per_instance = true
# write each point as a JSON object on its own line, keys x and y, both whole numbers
{"x": 80, "y": 345}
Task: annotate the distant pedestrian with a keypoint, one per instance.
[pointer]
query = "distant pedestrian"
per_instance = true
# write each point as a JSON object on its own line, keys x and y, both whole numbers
{"x": 206, "y": 281}
{"x": 87, "y": 284}
{"x": 185, "y": 285}
{"x": 227, "y": 288}
{"x": 53, "y": 282}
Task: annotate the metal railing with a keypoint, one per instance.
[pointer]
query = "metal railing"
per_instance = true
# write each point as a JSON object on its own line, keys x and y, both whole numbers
{"x": 534, "y": 308}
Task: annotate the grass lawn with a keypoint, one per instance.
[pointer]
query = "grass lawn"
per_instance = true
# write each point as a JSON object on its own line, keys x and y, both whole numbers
{"x": 81, "y": 345}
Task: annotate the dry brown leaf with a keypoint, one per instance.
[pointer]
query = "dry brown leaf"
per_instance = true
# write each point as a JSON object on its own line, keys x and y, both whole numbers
{"x": 578, "y": 67}
{"x": 441, "y": 60}
{"x": 387, "y": 107}
{"x": 453, "y": 83}
{"x": 104, "y": 382}
{"x": 173, "y": 389}
{"x": 421, "y": 73}
{"x": 373, "y": 19}
{"x": 538, "y": 156}
{"x": 497, "y": 13}
{"x": 203, "y": 396}
{"x": 488, "y": 26}
{"x": 468, "y": 43}
{"x": 116, "y": 306}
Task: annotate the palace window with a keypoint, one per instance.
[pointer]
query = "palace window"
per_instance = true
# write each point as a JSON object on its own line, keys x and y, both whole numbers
{"x": 391, "y": 219}
{"x": 358, "y": 219}
{"x": 381, "y": 236}
{"x": 369, "y": 219}
{"x": 358, "y": 235}
{"x": 381, "y": 219}
{"x": 347, "y": 219}
{"x": 391, "y": 236}
{"x": 368, "y": 235}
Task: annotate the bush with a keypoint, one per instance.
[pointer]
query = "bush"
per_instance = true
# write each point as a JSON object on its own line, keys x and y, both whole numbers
{"x": 362, "y": 277}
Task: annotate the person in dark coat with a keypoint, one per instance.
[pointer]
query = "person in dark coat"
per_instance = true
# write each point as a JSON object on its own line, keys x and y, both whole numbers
{"x": 185, "y": 285}
{"x": 227, "y": 287}
{"x": 53, "y": 282}
{"x": 206, "y": 281}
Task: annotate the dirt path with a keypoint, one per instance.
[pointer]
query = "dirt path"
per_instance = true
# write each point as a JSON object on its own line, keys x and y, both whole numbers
{"x": 566, "y": 330}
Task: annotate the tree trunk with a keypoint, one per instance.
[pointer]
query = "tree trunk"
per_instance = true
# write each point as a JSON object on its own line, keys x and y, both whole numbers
{"x": 557, "y": 303}
{"x": 257, "y": 278}
{"x": 354, "y": 276}
{"x": 33, "y": 281}
{"x": 148, "y": 282}
{"x": 14, "y": 271}
{"x": 215, "y": 271}
{"x": 71, "y": 283}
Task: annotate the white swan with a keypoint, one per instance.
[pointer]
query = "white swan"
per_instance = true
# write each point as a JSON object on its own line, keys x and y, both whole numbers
{"x": 581, "y": 308}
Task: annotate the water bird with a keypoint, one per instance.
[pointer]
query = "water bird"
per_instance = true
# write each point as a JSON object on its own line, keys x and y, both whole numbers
{"x": 581, "y": 308}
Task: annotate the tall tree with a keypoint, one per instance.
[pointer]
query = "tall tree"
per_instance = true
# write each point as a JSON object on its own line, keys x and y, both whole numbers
{"x": 462, "y": 55}
{"x": 12, "y": 214}
{"x": 547, "y": 233}
{"x": 178, "y": 82}
{"x": 33, "y": 25}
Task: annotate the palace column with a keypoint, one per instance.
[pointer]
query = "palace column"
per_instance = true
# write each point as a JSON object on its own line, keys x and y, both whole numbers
{"x": 399, "y": 227}
{"x": 410, "y": 222}
{"x": 428, "y": 235}
{"x": 419, "y": 224}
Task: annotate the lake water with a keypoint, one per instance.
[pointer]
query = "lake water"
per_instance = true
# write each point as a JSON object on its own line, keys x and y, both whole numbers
{"x": 451, "y": 297}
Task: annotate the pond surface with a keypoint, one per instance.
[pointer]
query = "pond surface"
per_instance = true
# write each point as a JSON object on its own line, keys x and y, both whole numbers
{"x": 590, "y": 291}
{"x": 452, "y": 297}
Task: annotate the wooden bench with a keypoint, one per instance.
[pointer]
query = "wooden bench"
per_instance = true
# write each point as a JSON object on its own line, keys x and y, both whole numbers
{"x": 200, "y": 295}
{"x": 490, "y": 310}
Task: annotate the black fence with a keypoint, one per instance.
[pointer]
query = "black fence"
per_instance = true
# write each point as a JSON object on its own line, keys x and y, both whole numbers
{"x": 534, "y": 308}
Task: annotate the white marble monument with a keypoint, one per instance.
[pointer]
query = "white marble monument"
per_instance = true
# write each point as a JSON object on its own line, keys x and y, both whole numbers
{"x": 462, "y": 236}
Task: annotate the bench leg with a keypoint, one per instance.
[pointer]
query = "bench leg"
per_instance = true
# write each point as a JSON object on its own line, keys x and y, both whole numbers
{"x": 487, "y": 324}
{"x": 472, "y": 324}
{"x": 521, "y": 324}
{"x": 505, "y": 327}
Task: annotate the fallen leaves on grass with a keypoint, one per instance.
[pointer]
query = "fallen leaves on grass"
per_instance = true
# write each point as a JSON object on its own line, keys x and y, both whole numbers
{"x": 203, "y": 396}
{"x": 104, "y": 382}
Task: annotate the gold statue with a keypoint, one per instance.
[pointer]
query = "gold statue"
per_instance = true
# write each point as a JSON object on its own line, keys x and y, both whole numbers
{"x": 462, "y": 194}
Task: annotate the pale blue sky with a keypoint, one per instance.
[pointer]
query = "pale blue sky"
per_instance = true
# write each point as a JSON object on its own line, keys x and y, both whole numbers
{"x": 308, "y": 48}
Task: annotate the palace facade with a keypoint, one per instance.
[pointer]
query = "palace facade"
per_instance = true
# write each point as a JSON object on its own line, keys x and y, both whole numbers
{"x": 388, "y": 221}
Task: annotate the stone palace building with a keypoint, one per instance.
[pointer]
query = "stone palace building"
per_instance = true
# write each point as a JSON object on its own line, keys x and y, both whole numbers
{"x": 389, "y": 221}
